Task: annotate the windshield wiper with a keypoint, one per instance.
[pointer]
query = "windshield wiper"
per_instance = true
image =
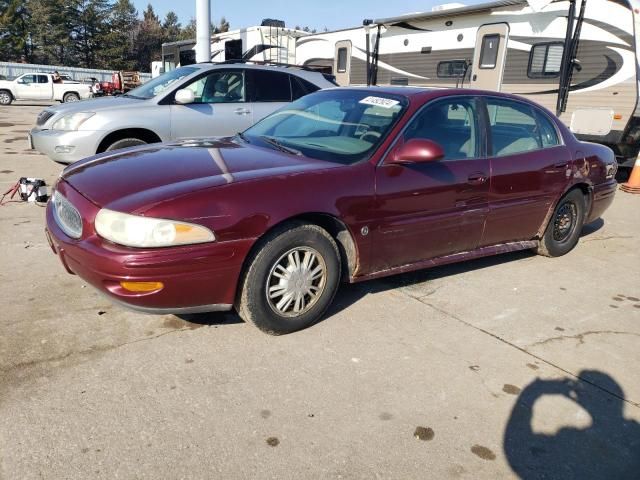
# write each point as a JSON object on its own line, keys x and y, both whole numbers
{"x": 280, "y": 146}
{"x": 133, "y": 96}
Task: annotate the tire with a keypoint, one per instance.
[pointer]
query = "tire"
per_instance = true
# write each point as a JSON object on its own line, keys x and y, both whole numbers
{"x": 5, "y": 97}
{"x": 272, "y": 261}
{"x": 70, "y": 97}
{"x": 124, "y": 143}
{"x": 563, "y": 231}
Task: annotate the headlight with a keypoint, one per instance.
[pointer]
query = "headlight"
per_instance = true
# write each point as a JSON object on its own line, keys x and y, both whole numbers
{"x": 144, "y": 232}
{"x": 72, "y": 121}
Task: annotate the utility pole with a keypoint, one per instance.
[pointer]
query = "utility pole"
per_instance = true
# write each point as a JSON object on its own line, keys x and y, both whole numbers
{"x": 203, "y": 31}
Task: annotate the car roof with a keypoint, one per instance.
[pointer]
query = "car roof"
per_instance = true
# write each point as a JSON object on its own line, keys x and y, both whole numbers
{"x": 293, "y": 69}
{"x": 426, "y": 93}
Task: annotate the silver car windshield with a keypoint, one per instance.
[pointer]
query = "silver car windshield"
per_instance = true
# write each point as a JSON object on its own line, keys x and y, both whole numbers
{"x": 343, "y": 126}
{"x": 159, "y": 84}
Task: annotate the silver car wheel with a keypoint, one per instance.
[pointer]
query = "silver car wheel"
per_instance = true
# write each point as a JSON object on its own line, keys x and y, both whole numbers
{"x": 5, "y": 98}
{"x": 296, "y": 281}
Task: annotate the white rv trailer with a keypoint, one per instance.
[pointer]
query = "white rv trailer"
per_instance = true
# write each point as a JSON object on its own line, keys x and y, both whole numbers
{"x": 265, "y": 43}
{"x": 579, "y": 58}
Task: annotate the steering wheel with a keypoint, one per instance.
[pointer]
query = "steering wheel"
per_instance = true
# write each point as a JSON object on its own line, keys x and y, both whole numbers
{"x": 372, "y": 133}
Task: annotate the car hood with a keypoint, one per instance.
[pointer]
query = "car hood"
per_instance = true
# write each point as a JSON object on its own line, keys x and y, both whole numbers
{"x": 96, "y": 104}
{"x": 135, "y": 179}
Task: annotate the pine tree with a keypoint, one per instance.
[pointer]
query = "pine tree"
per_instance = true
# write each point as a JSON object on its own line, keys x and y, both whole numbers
{"x": 171, "y": 27}
{"x": 15, "y": 43}
{"x": 123, "y": 28}
{"x": 149, "y": 40}
{"x": 91, "y": 31}
{"x": 52, "y": 24}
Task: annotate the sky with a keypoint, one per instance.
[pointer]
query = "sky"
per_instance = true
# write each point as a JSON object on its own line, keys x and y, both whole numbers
{"x": 318, "y": 14}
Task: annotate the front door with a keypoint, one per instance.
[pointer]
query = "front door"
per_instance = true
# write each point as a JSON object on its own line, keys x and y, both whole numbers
{"x": 220, "y": 107}
{"x": 438, "y": 208}
{"x": 489, "y": 56}
{"x": 27, "y": 87}
{"x": 342, "y": 62}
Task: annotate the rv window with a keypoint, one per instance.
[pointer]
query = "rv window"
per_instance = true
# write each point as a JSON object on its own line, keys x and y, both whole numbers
{"x": 269, "y": 86}
{"x": 342, "y": 60}
{"x": 451, "y": 69}
{"x": 545, "y": 60}
{"x": 489, "y": 51}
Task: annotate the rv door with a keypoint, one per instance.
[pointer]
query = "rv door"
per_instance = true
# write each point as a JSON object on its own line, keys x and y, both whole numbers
{"x": 342, "y": 62}
{"x": 489, "y": 56}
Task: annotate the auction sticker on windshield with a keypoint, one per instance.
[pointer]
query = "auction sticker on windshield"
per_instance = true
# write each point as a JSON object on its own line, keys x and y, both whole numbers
{"x": 380, "y": 102}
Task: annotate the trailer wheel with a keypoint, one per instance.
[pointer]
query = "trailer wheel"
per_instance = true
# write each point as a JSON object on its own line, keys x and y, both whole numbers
{"x": 5, "y": 97}
{"x": 70, "y": 97}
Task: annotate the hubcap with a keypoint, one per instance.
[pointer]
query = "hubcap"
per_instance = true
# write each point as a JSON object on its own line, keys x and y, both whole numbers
{"x": 72, "y": 98}
{"x": 296, "y": 281}
{"x": 564, "y": 221}
{"x": 4, "y": 98}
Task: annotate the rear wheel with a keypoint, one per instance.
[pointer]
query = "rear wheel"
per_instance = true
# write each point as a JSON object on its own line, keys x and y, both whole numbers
{"x": 124, "y": 143}
{"x": 5, "y": 98}
{"x": 563, "y": 230}
{"x": 70, "y": 97}
{"x": 291, "y": 279}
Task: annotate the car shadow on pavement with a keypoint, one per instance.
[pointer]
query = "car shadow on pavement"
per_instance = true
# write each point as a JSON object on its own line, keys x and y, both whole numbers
{"x": 607, "y": 448}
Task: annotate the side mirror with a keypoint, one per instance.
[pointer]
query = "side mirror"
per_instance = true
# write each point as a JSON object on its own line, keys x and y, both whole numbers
{"x": 20, "y": 80}
{"x": 417, "y": 150}
{"x": 185, "y": 96}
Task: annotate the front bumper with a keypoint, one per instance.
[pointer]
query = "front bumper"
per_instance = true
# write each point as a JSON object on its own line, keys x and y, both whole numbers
{"x": 65, "y": 147}
{"x": 196, "y": 278}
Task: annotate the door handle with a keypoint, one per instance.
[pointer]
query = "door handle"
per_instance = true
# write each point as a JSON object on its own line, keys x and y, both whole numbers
{"x": 477, "y": 178}
{"x": 241, "y": 111}
{"x": 560, "y": 165}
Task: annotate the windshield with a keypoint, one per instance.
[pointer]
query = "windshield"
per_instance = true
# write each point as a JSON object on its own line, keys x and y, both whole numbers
{"x": 343, "y": 126}
{"x": 159, "y": 84}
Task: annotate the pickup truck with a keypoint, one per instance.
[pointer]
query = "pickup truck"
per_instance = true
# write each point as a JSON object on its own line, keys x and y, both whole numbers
{"x": 40, "y": 86}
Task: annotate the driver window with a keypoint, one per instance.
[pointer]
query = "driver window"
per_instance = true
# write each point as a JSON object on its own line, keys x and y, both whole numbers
{"x": 28, "y": 79}
{"x": 219, "y": 87}
{"x": 450, "y": 123}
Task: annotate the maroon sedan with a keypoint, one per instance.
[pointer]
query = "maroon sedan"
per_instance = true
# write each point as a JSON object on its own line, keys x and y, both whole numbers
{"x": 341, "y": 185}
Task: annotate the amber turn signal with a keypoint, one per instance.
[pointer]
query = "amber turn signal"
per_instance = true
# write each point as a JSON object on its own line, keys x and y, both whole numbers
{"x": 142, "y": 286}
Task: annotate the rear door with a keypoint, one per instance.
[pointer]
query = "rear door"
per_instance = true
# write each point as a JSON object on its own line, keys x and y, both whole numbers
{"x": 45, "y": 89}
{"x": 220, "y": 107}
{"x": 267, "y": 90}
{"x": 438, "y": 208}
{"x": 489, "y": 56}
{"x": 528, "y": 170}
{"x": 342, "y": 62}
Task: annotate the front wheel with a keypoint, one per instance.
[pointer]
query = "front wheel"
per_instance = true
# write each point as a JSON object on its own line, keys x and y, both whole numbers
{"x": 291, "y": 279}
{"x": 563, "y": 230}
{"x": 125, "y": 143}
{"x": 70, "y": 97}
{"x": 5, "y": 98}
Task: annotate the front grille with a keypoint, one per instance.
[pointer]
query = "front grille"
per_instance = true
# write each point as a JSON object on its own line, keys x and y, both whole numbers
{"x": 43, "y": 116}
{"x": 67, "y": 216}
